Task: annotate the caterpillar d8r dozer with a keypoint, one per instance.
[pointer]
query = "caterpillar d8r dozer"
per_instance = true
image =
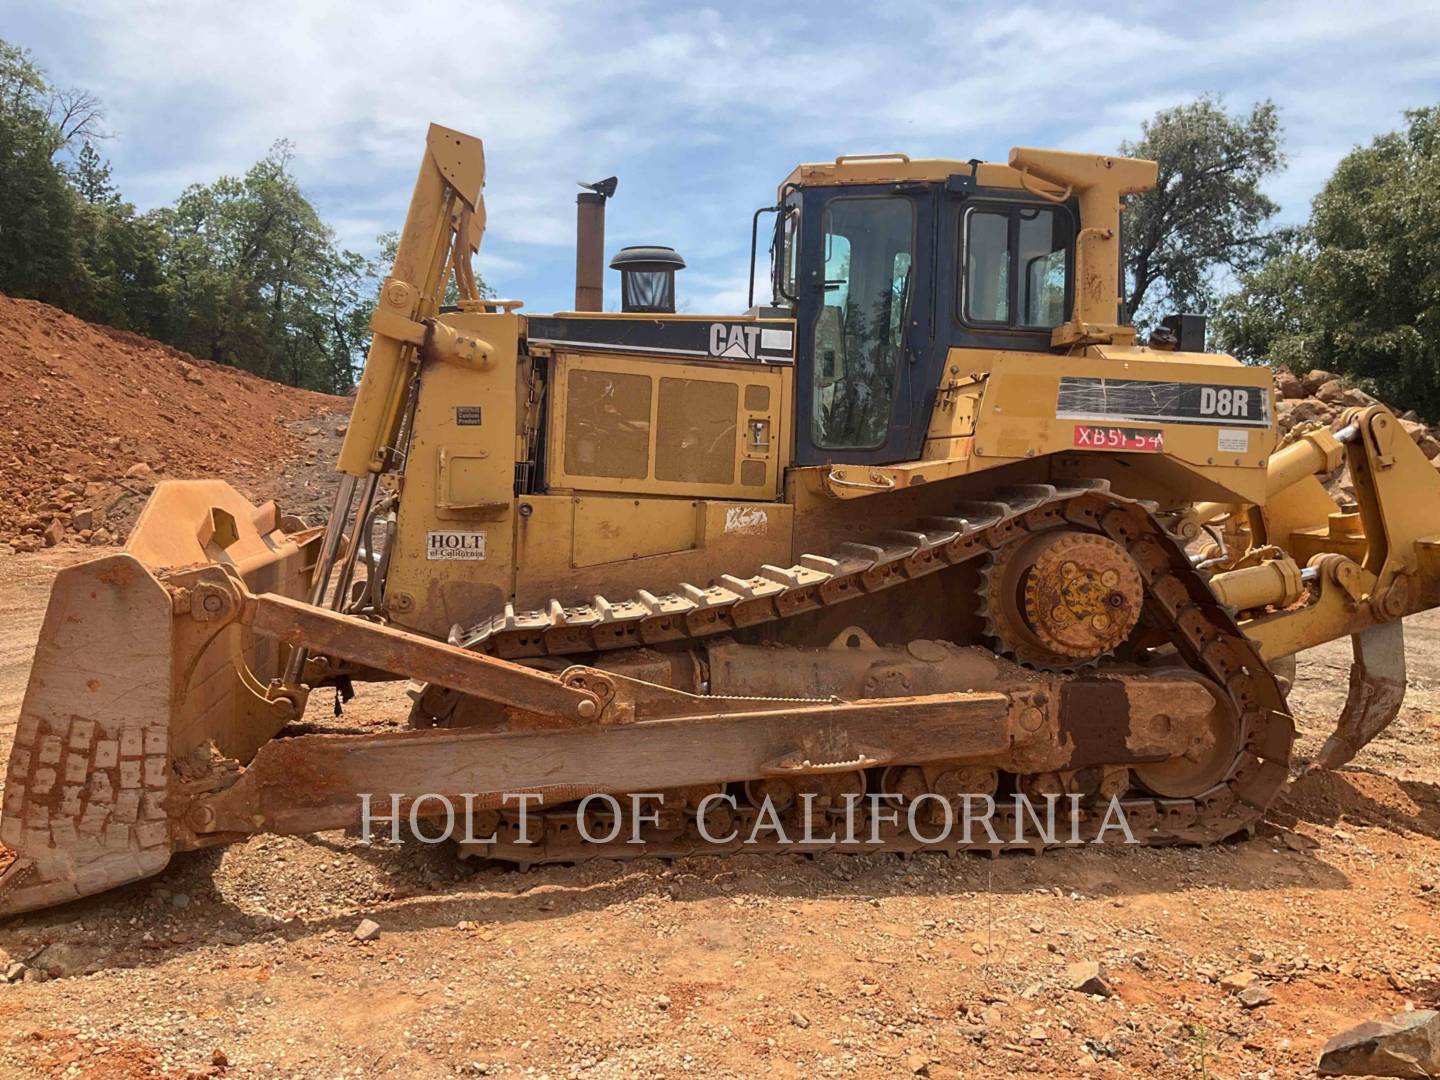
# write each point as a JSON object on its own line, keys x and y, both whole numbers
{"x": 930, "y": 523}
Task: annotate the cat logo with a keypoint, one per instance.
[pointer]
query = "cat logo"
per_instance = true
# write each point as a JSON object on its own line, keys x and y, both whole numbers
{"x": 734, "y": 341}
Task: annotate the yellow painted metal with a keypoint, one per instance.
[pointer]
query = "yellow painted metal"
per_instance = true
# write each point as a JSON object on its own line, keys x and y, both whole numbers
{"x": 446, "y": 200}
{"x": 1294, "y": 498}
{"x": 1396, "y": 536}
{"x": 583, "y": 545}
{"x": 121, "y": 690}
{"x": 666, "y": 427}
{"x": 859, "y": 481}
{"x": 1100, "y": 181}
{"x": 459, "y": 484}
{"x": 1276, "y": 582}
{"x": 612, "y": 529}
{"x": 898, "y": 168}
{"x": 1314, "y": 452}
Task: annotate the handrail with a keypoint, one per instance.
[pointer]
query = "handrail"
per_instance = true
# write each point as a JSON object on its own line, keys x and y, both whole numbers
{"x": 1025, "y": 183}
{"x": 872, "y": 157}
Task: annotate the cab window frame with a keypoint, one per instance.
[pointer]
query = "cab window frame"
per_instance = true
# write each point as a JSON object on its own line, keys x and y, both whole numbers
{"x": 901, "y": 345}
{"x": 1012, "y": 210}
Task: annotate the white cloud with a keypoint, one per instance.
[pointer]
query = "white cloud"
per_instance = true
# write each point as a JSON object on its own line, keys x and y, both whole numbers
{"x": 699, "y": 110}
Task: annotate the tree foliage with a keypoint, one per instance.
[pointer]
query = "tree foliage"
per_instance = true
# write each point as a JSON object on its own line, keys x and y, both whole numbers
{"x": 1206, "y": 214}
{"x": 242, "y": 271}
{"x": 249, "y": 268}
{"x": 1357, "y": 290}
{"x": 37, "y": 210}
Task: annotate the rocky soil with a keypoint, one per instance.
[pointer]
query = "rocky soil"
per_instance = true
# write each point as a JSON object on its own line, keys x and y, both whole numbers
{"x": 94, "y": 417}
{"x": 1237, "y": 961}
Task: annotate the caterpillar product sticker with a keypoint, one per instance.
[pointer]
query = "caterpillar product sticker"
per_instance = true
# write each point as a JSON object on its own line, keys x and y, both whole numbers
{"x": 1162, "y": 402}
{"x": 467, "y": 415}
{"x": 455, "y": 546}
{"x": 1230, "y": 441}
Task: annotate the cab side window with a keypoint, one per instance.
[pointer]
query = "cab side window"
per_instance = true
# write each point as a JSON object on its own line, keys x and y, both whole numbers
{"x": 1017, "y": 265}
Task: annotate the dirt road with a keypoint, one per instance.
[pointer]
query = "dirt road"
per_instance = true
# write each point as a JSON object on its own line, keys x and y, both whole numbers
{"x": 242, "y": 962}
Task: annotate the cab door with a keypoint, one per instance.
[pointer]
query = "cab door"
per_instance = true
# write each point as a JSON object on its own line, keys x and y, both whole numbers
{"x": 866, "y": 358}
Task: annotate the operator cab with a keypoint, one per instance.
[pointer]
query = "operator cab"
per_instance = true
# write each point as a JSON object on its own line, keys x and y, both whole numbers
{"x": 887, "y": 264}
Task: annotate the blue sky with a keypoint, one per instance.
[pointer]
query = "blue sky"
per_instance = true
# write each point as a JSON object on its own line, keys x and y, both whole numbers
{"x": 699, "y": 109}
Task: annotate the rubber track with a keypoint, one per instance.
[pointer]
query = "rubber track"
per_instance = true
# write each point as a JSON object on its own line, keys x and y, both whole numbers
{"x": 1204, "y": 633}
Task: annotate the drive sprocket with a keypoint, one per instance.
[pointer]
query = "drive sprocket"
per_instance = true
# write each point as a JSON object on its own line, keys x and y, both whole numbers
{"x": 1061, "y": 599}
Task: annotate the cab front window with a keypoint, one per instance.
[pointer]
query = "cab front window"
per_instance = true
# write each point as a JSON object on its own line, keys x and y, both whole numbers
{"x": 859, "y": 329}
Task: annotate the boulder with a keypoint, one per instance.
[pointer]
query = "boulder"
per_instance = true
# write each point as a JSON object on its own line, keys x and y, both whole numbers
{"x": 1356, "y": 398}
{"x": 1406, "y": 1044}
{"x": 1423, "y": 438}
{"x": 1332, "y": 393}
{"x": 1288, "y": 385}
{"x": 1255, "y": 995}
{"x": 64, "y": 958}
{"x": 1304, "y": 410}
{"x": 1316, "y": 379}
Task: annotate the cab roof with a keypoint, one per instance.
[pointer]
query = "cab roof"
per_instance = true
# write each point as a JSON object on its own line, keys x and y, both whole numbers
{"x": 900, "y": 168}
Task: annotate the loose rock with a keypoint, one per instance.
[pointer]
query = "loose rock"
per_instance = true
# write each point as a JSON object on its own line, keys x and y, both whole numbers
{"x": 1288, "y": 385}
{"x": 1255, "y": 995}
{"x": 1238, "y": 980}
{"x": 368, "y": 930}
{"x": 1087, "y": 977}
{"x": 1406, "y": 1044}
{"x": 1315, "y": 379}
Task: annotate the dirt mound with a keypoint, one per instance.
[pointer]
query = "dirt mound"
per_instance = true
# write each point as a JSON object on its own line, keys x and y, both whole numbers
{"x": 1360, "y": 797}
{"x": 94, "y": 417}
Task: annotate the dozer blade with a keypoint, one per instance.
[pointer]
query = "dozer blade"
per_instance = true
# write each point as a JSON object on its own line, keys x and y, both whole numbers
{"x": 1377, "y": 688}
{"x": 116, "y": 704}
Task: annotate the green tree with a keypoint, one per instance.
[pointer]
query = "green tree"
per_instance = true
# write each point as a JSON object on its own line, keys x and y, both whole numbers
{"x": 255, "y": 278}
{"x": 38, "y": 256}
{"x": 1358, "y": 289}
{"x": 1206, "y": 214}
{"x": 66, "y": 236}
{"x": 242, "y": 271}
{"x": 91, "y": 177}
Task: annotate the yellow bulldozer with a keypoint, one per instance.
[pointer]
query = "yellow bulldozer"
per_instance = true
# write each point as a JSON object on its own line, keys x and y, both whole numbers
{"x": 929, "y": 526}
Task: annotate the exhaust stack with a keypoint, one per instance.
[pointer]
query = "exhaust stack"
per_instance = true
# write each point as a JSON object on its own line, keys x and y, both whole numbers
{"x": 590, "y": 244}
